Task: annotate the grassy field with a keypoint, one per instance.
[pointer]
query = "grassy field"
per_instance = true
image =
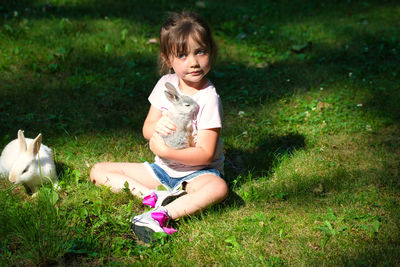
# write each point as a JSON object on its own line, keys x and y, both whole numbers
{"x": 311, "y": 131}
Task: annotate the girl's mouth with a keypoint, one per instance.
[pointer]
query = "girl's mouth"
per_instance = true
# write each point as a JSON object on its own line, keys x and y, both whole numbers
{"x": 196, "y": 73}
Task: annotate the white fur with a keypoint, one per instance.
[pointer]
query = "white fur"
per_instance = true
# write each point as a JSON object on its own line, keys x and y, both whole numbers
{"x": 20, "y": 160}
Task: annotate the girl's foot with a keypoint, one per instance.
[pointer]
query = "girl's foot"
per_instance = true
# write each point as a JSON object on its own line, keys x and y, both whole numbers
{"x": 155, "y": 221}
{"x": 161, "y": 198}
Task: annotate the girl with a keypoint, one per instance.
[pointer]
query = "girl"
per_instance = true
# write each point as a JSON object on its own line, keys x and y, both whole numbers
{"x": 187, "y": 49}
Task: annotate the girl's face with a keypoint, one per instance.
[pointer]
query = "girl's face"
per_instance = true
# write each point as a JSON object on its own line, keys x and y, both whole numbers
{"x": 192, "y": 67}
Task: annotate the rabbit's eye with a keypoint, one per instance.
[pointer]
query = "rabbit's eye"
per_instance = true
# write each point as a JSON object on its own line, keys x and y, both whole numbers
{"x": 26, "y": 170}
{"x": 187, "y": 105}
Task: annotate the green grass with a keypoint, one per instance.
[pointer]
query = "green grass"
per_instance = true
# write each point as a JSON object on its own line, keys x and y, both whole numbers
{"x": 311, "y": 131}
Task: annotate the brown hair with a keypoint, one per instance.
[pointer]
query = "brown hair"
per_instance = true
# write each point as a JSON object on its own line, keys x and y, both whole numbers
{"x": 175, "y": 33}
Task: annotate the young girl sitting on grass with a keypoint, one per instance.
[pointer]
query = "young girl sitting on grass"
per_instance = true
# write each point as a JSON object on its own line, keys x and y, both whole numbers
{"x": 188, "y": 49}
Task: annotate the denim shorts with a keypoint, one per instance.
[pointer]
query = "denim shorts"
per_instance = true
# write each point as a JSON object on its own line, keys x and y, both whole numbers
{"x": 173, "y": 183}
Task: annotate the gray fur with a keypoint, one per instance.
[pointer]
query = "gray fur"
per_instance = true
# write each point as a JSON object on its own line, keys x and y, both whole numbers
{"x": 182, "y": 112}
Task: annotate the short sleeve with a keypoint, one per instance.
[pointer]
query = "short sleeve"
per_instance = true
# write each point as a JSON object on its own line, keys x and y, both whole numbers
{"x": 211, "y": 114}
{"x": 157, "y": 97}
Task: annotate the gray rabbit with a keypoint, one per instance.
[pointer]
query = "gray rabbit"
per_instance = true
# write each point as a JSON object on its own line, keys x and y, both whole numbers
{"x": 182, "y": 112}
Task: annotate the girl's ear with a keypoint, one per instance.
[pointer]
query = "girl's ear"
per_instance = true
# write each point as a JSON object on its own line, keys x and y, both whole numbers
{"x": 166, "y": 60}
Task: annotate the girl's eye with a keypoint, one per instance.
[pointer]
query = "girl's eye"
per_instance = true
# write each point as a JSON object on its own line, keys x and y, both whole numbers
{"x": 201, "y": 52}
{"x": 181, "y": 56}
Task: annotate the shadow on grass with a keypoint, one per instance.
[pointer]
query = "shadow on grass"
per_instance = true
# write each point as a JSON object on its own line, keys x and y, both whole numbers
{"x": 377, "y": 254}
{"x": 84, "y": 94}
{"x": 260, "y": 161}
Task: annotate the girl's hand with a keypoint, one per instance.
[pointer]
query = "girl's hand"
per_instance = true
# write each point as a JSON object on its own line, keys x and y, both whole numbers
{"x": 158, "y": 145}
{"x": 165, "y": 125}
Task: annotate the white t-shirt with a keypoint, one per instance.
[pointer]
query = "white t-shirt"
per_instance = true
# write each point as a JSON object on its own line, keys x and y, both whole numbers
{"x": 209, "y": 116}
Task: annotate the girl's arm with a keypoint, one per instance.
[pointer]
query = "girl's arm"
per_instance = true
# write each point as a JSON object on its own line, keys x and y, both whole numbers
{"x": 157, "y": 122}
{"x": 201, "y": 154}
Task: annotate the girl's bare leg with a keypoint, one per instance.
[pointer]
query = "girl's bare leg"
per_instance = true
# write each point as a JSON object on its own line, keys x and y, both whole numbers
{"x": 116, "y": 174}
{"x": 201, "y": 193}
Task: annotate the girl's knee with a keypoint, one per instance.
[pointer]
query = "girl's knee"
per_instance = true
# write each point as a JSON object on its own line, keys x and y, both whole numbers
{"x": 224, "y": 190}
{"x": 211, "y": 187}
{"x": 220, "y": 189}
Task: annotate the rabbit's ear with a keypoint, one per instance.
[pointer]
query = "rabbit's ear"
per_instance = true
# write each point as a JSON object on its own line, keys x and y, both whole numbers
{"x": 34, "y": 147}
{"x": 22, "y": 142}
{"x": 171, "y": 93}
{"x": 170, "y": 87}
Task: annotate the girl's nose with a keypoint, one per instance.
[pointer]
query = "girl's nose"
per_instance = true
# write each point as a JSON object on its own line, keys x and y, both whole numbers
{"x": 193, "y": 61}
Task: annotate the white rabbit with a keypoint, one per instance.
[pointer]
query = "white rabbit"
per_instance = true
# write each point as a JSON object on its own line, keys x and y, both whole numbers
{"x": 23, "y": 164}
{"x": 182, "y": 112}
